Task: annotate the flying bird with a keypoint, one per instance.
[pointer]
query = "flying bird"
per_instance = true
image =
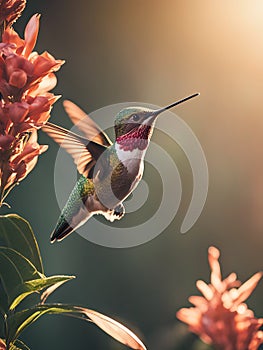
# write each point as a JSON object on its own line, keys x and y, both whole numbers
{"x": 109, "y": 171}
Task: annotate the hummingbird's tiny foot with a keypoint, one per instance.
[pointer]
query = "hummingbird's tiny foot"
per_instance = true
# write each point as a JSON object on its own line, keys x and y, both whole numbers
{"x": 119, "y": 212}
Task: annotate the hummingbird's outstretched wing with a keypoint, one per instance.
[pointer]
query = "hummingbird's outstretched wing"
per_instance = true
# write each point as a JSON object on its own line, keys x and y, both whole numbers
{"x": 85, "y": 124}
{"x": 84, "y": 152}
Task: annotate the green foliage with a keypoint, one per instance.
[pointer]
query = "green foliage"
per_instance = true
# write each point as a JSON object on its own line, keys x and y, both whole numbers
{"x": 20, "y": 320}
{"x": 21, "y": 274}
{"x": 19, "y": 345}
{"x": 15, "y": 270}
{"x": 16, "y": 233}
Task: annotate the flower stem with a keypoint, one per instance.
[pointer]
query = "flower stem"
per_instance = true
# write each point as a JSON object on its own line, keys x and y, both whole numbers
{"x": 4, "y": 194}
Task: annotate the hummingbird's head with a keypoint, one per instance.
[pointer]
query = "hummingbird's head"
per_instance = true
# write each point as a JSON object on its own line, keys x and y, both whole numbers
{"x": 131, "y": 119}
{"x": 134, "y": 125}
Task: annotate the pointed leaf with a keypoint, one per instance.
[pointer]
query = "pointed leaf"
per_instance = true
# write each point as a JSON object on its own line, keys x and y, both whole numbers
{"x": 53, "y": 283}
{"x": 36, "y": 285}
{"x": 3, "y": 299}
{"x": 16, "y": 233}
{"x": 115, "y": 329}
{"x": 18, "y": 345}
{"x": 15, "y": 269}
{"x": 20, "y": 320}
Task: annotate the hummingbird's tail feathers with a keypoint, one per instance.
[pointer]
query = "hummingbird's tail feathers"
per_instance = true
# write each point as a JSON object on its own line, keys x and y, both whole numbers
{"x": 84, "y": 152}
{"x": 61, "y": 232}
{"x": 74, "y": 213}
{"x": 85, "y": 124}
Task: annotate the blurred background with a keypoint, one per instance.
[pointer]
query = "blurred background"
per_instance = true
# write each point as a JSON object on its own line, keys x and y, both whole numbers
{"x": 155, "y": 52}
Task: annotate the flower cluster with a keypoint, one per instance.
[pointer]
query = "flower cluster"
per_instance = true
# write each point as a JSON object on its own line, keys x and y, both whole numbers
{"x": 221, "y": 317}
{"x": 26, "y": 78}
{"x": 10, "y": 10}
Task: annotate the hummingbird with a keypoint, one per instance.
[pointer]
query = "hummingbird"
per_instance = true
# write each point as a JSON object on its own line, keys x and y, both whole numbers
{"x": 109, "y": 171}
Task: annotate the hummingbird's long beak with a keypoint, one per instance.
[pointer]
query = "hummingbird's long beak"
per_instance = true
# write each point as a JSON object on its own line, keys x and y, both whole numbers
{"x": 158, "y": 111}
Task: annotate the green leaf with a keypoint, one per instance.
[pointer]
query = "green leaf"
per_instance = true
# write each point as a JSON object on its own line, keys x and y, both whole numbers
{"x": 36, "y": 285}
{"x": 52, "y": 283}
{"x": 18, "y": 345}
{"x": 20, "y": 278}
{"x": 3, "y": 299}
{"x": 20, "y": 320}
{"x": 15, "y": 269}
{"x": 16, "y": 233}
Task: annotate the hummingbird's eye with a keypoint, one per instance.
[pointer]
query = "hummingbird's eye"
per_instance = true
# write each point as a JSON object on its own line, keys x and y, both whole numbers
{"x": 135, "y": 117}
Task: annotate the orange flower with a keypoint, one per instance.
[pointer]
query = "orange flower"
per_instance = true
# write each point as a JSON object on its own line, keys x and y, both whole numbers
{"x": 23, "y": 72}
{"x": 18, "y": 156}
{"x": 25, "y": 81}
{"x": 220, "y": 317}
{"x": 10, "y": 10}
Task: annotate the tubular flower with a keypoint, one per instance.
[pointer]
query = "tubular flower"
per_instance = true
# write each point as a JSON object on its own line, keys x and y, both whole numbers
{"x": 23, "y": 72}
{"x": 220, "y": 317}
{"x": 10, "y": 10}
{"x": 26, "y": 78}
{"x": 22, "y": 156}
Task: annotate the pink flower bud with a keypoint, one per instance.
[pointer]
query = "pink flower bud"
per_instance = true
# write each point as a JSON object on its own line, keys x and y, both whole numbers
{"x": 38, "y": 106}
{"x": 14, "y": 62}
{"x": 18, "y": 111}
{"x": 20, "y": 170}
{"x": 6, "y": 142}
{"x": 18, "y": 78}
{"x": 43, "y": 65}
